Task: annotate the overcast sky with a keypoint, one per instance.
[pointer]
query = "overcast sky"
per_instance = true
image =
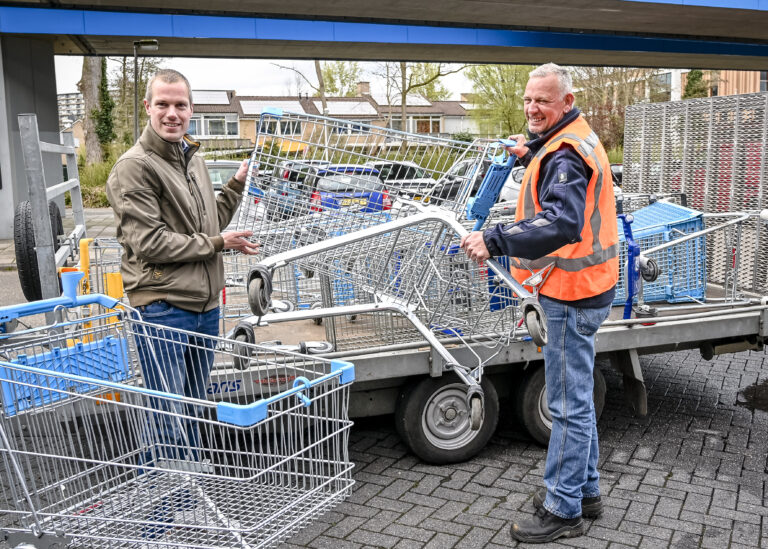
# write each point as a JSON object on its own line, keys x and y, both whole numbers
{"x": 245, "y": 76}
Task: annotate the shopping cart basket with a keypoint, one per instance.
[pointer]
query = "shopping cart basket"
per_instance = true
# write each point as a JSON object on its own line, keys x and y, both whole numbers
{"x": 413, "y": 267}
{"x": 665, "y": 260}
{"x": 82, "y": 462}
{"x": 329, "y": 177}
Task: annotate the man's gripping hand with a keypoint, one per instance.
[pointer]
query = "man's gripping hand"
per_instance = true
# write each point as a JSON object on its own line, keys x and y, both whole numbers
{"x": 474, "y": 246}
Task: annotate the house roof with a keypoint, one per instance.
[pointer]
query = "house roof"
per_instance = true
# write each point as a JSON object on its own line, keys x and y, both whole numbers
{"x": 363, "y": 107}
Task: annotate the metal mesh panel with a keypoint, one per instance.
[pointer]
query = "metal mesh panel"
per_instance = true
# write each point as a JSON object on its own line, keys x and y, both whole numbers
{"x": 714, "y": 150}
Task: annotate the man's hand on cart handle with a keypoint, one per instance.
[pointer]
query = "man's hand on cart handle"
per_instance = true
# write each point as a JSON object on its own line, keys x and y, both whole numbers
{"x": 474, "y": 246}
{"x": 242, "y": 171}
{"x": 238, "y": 240}
{"x": 518, "y": 148}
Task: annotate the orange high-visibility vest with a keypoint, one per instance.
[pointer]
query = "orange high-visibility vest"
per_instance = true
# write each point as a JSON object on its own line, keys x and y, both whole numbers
{"x": 590, "y": 267}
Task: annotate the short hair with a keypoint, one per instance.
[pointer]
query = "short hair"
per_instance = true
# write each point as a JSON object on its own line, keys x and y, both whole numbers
{"x": 169, "y": 76}
{"x": 562, "y": 74}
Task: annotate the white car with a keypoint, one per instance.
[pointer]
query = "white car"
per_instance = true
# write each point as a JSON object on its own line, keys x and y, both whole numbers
{"x": 404, "y": 178}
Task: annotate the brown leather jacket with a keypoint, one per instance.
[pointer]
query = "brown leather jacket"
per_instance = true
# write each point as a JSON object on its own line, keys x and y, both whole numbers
{"x": 169, "y": 223}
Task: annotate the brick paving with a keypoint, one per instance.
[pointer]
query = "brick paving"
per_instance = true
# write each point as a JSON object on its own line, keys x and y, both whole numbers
{"x": 690, "y": 475}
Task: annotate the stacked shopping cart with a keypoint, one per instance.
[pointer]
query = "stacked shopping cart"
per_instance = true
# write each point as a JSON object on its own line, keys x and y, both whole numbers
{"x": 85, "y": 465}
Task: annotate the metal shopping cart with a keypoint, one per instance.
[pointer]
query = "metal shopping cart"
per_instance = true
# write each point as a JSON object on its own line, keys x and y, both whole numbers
{"x": 674, "y": 254}
{"x": 84, "y": 464}
{"x": 384, "y": 246}
{"x": 354, "y": 174}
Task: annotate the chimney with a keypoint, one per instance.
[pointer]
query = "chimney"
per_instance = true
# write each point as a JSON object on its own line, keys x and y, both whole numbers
{"x": 363, "y": 88}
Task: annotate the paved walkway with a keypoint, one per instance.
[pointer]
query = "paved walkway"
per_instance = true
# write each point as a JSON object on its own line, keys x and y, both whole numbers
{"x": 99, "y": 223}
{"x": 690, "y": 475}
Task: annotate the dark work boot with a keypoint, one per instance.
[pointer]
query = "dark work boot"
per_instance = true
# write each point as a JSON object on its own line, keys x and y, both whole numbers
{"x": 545, "y": 527}
{"x": 591, "y": 508}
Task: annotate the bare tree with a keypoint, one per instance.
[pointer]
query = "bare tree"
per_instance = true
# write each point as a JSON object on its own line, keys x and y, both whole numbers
{"x": 603, "y": 93}
{"x": 89, "y": 87}
{"x": 421, "y": 78}
{"x": 121, "y": 82}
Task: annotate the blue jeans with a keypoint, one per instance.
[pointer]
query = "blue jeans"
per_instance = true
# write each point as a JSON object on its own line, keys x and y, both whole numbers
{"x": 178, "y": 363}
{"x": 569, "y": 360}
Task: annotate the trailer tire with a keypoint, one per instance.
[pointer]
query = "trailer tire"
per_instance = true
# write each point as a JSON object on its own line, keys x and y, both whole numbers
{"x": 531, "y": 403}
{"x": 24, "y": 245}
{"x": 433, "y": 419}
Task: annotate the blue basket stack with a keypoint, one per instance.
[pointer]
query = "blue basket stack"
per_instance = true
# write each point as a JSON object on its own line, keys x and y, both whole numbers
{"x": 683, "y": 266}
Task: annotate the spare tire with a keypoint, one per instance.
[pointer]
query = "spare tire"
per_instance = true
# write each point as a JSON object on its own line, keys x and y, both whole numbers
{"x": 24, "y": 244}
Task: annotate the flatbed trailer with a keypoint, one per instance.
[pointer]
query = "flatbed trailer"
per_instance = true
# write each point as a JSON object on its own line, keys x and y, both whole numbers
{"x": 715, "y": 151}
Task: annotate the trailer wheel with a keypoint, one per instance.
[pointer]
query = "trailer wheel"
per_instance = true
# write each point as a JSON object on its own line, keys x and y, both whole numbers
{"x": 531, "y": 403}
{"x": 24, "y": 244}
{"x": 434, "y": 420}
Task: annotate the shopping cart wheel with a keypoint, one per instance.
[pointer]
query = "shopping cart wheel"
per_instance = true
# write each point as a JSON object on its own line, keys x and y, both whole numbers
{"x": 537, "y": 327}
{"x": 649, "y": 269}
{"x": 531, "y": 402}
{"x": 319, "y": 320}
{"x": 434, "y": 418}
{"x": 475, "y": 412}
{"x": 241, "y": 354}
{"x": 259, "y": 290}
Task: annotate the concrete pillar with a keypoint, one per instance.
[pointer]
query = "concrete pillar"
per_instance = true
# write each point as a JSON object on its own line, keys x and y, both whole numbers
{"x": 676, "y": 89}
{"x": 27, "y": 85}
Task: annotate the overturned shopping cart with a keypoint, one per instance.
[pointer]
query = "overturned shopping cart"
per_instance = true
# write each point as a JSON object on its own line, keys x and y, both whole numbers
{"x": 85, "y": 463}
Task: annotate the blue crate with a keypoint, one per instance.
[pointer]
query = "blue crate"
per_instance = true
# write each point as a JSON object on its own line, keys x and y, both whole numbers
{"x": 106, "y": 359}
{"x": 683, "y": 267}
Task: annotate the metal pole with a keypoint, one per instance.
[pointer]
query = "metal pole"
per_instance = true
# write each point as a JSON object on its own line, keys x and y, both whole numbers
{"x": 135, "y": 94}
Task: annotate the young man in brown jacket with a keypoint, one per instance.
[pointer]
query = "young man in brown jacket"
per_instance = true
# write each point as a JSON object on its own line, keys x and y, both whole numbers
{"x": 169, "y": 223}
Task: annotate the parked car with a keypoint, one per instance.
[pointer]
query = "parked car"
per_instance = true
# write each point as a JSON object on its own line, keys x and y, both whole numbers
{"x": 302, "y": 189}
{"x": 350, "y": 187}
{"x": 404, "y": 178}
{"x": 221, "y": 171}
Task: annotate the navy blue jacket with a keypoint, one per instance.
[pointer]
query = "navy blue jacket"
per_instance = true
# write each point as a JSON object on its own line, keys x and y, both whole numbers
{"x": 562, "y": 192}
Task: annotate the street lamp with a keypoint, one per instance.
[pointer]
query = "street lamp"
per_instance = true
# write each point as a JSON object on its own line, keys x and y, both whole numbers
{"x": 139, "y": 45}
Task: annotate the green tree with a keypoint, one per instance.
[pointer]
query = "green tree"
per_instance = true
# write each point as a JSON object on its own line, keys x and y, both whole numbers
{"x": 695, "y": 85}
{"x": 105, "y": 124}
{"x": 498, "y": 97}
{"x": 341, "y": 78}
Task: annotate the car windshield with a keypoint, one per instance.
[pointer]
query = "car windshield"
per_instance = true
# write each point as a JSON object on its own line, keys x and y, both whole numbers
{"x": 401, "y": 171}
{"x": 221, "y": 174}
{"x": 345, "y": 183}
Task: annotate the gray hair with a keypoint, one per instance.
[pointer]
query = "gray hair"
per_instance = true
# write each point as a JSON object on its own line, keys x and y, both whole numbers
{"x": 562, "y": 74}
{"x": 169, "y": 76}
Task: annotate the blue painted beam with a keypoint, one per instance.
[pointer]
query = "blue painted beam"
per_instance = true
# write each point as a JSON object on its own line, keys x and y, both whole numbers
{"x": 102, "y": 23}
{"x": 761, "y": 5}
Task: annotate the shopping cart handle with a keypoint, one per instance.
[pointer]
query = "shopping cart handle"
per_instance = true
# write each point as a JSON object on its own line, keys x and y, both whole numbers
{"x": 479, "y": 207}
{"x": 247, "y": 415}
{"x": 68, "y": 299}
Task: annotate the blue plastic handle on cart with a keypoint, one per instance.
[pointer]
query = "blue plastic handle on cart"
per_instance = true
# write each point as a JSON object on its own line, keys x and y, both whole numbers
{"x": 246, "y": 415}
{"x": 68, "y": 299}
{"x": 632, "y": 270}
{"x": 480, "y": 206}
{"x": 274, "y": 111}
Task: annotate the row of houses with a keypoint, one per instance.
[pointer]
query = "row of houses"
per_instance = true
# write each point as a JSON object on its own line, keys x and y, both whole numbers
{"x": 225, "y": 116}
{"x": 223, "y": 119}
